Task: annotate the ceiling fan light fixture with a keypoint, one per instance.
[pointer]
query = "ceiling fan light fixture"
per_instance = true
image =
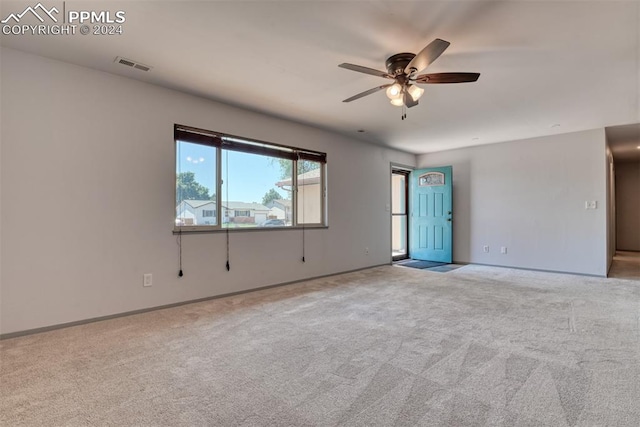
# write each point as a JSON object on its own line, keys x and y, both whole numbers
{"x": 394, "y": 91}
{"x": 415, "y": 92}
{"x": 402, "y": 68}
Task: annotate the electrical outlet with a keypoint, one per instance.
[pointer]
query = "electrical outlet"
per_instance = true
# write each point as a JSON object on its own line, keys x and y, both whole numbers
{"x": 503, "y": 250}
{"x": 485, "y": 248}
{"x": 366, "y": 250}
{"x": 592, "y": 204}
{"x": 147, "y": 280}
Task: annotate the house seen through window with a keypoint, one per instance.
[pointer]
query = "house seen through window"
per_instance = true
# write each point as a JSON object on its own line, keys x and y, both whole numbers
{"x": 254, "y": 182}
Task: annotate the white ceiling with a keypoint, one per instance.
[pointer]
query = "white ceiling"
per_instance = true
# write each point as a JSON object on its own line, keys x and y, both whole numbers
{"x": 543, "y": 63}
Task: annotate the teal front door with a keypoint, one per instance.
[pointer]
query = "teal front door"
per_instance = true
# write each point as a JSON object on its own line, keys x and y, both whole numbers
{"x": 431, "y": 215}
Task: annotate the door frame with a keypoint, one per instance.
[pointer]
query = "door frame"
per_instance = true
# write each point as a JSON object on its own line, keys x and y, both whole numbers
{"x": 406, "y": 172}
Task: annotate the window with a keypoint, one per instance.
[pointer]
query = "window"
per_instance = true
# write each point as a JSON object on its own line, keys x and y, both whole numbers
{"x": 249, "y": 188}
{"x": 310, "y": 195}
{"x": 196, "y": 172}
{"x": 431, "y": 179}
{"x": 258, "y": 184}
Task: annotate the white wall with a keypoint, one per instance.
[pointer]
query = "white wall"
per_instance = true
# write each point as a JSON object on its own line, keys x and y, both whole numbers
{"x": 209, "y": 220}
{"x": 79, "y": 140}
{"x": 277, "y": 213}
{"x": 628, "y": 205}
{"x": 530, "y": 196}
{"x": 2, "y": 123}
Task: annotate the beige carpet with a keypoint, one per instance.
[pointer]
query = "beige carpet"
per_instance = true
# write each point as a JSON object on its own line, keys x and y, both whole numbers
{"x": 389, "y": 346}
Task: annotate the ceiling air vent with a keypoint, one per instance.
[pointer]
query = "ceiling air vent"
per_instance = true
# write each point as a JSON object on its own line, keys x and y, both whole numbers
{"x": 130, "y": 63}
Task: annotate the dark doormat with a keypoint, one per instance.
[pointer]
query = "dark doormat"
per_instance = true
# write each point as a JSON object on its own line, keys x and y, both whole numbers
{"x": 420, "y": 264}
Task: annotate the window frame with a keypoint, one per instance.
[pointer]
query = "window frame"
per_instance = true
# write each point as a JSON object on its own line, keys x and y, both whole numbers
{"x": 323, "y": 197}
{"x": 198, "y": 137}
{"x": 220, "y": 142}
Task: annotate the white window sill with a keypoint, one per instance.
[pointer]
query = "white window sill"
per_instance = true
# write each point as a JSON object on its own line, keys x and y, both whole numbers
{"x": 211, "y": 229}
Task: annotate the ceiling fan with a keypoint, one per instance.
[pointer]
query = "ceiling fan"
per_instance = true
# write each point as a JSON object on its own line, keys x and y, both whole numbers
{"x": 402, "y": 68}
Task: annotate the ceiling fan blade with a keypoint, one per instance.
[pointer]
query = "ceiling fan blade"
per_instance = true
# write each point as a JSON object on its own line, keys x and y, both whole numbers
{"x": 366, "y": 70}
{"x": 367, "y": 92}
{"x": 408, "y": 100}
{"x": 436, "y": 78}
{"x": 430, "y": 53}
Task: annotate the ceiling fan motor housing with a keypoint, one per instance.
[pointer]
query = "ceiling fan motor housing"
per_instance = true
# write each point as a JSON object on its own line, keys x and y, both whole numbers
{"x": 398, "y": 62}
